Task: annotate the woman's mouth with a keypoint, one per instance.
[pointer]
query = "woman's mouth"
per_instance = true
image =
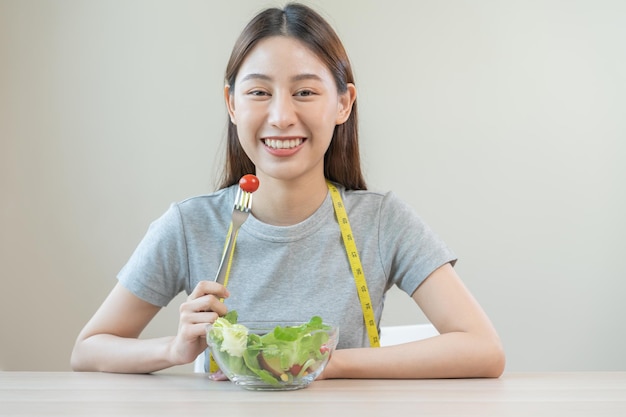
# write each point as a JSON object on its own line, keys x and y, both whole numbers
{"x": 283, "y": 143}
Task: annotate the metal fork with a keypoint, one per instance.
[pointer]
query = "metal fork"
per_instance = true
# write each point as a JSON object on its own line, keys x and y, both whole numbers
{"x": 241, "y": 210}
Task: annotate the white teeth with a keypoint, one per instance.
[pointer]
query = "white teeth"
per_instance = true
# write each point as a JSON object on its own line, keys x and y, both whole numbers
{"x": 283, "y": 144}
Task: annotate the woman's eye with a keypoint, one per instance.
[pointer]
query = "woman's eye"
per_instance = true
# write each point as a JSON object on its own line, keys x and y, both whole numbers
{"x": 305, "y": 93}
{"x": 257, "y": 93}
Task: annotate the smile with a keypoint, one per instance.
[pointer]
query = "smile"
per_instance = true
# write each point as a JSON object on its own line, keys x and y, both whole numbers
{"x": 282, "y": 143}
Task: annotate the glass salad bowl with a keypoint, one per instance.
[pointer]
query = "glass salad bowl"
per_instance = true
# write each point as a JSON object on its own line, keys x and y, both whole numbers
{"x": 271, "y": 356}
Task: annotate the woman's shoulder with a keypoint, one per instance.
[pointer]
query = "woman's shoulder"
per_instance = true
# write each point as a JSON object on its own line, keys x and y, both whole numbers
{"x": 201, "y": 205}
{"x": 373, "y": 197}
{"x": 215, "y": 197}
{"x": 383, "y": 206}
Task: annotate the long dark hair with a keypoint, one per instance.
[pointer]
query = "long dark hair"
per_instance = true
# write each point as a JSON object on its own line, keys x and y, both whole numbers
{"x": 342, "y": 163}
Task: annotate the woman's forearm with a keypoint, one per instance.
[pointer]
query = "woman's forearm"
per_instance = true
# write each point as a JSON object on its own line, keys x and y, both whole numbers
{"x": 450, "y": 355}
{"x": 109, "y": 353}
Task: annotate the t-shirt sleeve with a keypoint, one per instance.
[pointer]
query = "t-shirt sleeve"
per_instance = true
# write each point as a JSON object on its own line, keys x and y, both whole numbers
{"x": 411, "y": 249}
{"x": 158, "y": 269}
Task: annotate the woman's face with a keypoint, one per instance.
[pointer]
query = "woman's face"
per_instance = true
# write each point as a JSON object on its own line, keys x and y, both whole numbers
{"x": 285, "y": 105}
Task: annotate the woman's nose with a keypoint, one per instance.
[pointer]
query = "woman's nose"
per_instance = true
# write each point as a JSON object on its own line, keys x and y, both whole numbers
{"x": 282, "y": 113}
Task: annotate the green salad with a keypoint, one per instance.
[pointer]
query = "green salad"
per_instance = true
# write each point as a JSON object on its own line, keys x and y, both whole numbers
{"x": 279, "y": 356}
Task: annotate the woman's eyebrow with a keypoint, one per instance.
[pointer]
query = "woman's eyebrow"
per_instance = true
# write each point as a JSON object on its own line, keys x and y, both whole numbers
{"x": 305, "y": 76}
{"x": 264, "y": 77}
{"x": 256, "y": 76}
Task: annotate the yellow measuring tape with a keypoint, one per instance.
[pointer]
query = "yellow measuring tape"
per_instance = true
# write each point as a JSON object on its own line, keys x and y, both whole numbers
{"x": 355, "y": 265}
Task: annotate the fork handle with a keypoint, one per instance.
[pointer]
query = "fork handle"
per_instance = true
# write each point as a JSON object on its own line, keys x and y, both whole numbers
{"x": 220, "y": 277}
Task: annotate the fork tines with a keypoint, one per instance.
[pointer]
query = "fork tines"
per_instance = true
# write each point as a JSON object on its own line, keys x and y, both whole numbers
{"x": 243, "y": 200}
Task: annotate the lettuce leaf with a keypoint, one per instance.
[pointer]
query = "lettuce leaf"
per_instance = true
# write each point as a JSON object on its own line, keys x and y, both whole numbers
{"x": 233, "y": 336}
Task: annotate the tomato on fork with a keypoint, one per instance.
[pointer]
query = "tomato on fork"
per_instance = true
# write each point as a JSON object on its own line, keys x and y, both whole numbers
{"x": 249, "y": 183}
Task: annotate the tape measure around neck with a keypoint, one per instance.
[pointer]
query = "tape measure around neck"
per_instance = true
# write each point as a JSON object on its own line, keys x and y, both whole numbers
{"x": 355, "y": 265}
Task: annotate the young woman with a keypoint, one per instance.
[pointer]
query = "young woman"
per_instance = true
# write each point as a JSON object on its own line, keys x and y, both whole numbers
{"x": 291, "y": 101}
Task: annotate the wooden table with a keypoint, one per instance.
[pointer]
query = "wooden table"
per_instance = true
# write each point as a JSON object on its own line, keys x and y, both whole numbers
{"x": 67, "y": 394}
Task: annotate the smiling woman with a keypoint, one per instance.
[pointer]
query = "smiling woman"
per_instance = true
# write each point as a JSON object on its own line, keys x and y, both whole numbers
{"x": 291, "y": 103}
{"x": 318, "y": 44}
{"x": 285, "y": 106}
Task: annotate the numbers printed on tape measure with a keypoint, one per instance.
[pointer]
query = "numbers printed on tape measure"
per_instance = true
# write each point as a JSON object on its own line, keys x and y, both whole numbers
{"x": 355, "y": 265}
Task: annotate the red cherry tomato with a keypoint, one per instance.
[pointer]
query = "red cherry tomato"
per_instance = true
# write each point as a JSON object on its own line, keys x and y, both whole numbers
{"x": 249, "y": 183}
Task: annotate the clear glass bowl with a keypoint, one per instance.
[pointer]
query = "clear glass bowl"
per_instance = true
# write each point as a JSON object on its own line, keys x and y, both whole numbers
{"x": 262, "y": 361}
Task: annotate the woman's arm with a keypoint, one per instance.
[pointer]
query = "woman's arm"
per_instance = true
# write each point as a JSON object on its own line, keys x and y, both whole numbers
{"x": 110, "y": 341}
{"x": 468, "y": 345}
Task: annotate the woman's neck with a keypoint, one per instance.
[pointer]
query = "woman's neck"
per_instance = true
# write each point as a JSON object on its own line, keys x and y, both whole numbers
{"x": 285, "y": 203}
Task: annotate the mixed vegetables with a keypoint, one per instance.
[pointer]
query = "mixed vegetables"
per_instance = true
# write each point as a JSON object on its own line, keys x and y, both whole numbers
{"x": 279, "y": 356}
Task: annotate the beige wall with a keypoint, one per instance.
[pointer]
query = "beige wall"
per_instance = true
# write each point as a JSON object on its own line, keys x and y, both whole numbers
{"x": 502, "y": 123}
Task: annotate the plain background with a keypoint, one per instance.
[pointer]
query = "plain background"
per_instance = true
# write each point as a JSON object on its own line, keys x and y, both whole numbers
{"x": 502, "y": 122}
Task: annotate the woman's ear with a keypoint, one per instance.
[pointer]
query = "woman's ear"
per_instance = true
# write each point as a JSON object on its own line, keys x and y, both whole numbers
{"x": 346, "y": 100}
{"x": 230, "y": 103}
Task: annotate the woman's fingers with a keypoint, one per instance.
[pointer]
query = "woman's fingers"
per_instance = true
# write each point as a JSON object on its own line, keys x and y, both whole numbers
{"x": 205, "y": 303}
{"x": 195, "y": 332}
{"x": 202, "y": 307}
{"x": 218, "y": 376}
{"x": 209, "y": 287}
{"x": 200, "y": 317}
{"x": 206, "y": 296}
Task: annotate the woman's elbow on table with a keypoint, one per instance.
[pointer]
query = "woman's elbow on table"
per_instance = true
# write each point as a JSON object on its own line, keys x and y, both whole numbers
{"x": 76, "y": 362}
{"x": 494, "y": 360}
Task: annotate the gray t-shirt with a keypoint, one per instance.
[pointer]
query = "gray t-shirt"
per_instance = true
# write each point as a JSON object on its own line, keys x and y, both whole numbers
{"x": 289, "y": 273}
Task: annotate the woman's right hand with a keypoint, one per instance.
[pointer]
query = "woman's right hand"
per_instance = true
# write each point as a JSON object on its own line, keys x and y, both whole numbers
{"x": 203, "y": 306}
